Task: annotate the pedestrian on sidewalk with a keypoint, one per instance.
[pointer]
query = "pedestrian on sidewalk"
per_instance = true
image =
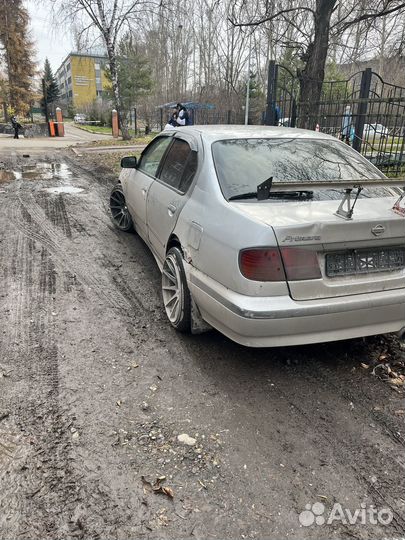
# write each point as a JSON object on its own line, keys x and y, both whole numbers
{"x": 16, "y": 126}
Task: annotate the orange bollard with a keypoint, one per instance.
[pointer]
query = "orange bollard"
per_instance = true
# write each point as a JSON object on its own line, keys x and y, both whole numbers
{"x": 115, "y": 128}
{"x": 59, "y": 119}
{"x": 51, "y": 129}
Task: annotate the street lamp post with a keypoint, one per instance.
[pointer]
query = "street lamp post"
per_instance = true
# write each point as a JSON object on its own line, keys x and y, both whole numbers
{"x": 248, "y": 83}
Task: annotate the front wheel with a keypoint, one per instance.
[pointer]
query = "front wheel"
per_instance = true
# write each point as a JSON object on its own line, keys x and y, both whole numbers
{"x": 176, "y": 296}
{"x": 119, "y": 210}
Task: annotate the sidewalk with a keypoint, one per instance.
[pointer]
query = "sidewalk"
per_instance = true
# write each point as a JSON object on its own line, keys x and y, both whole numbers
{"x": 73, "y": 136}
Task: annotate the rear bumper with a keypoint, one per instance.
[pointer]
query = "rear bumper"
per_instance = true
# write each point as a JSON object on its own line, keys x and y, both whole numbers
{"x": 280, "y": 321}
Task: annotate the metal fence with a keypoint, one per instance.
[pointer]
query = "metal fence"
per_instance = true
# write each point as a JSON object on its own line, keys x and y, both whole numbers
{"x": 363, "y": 110}
{"x": 199, "y": 117}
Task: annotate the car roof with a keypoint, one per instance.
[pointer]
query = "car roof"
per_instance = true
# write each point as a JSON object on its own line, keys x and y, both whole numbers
{"x": 220, "y": 132}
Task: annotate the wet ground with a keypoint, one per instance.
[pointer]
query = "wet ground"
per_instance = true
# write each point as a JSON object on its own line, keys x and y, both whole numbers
{"x": 96, "y": 388}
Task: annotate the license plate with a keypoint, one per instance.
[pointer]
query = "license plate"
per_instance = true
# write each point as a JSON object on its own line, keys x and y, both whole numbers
{"x": 365, "y": 261}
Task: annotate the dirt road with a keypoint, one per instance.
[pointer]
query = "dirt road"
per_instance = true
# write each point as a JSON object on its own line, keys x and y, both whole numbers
{"x": 96, "y": 387}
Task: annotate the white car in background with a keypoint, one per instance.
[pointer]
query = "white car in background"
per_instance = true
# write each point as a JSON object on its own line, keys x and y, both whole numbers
{"x": 273, "y": 236}
{"x": 375, "y": 130}
{"x": 79, "y": 118}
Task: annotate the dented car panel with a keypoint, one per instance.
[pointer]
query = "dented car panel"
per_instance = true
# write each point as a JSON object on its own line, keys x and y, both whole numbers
{"x": 355, "y": 281}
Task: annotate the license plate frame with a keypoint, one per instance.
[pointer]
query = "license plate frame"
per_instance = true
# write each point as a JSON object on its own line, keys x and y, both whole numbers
{"x": 364, "y": 261}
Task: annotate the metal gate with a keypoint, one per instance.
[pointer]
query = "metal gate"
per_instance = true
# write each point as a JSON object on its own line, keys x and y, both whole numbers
{"x": 364, "y": 111}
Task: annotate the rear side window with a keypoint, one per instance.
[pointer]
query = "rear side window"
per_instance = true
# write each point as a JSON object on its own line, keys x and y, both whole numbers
{"x": 179, "y": 166}
{"x": 152, "y": 155}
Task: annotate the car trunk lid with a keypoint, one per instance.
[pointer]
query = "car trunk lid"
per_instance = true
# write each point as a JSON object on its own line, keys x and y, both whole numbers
{"x": 362, "y": 255}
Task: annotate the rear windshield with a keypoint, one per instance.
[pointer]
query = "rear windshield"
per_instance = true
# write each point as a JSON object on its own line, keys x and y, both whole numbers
{"x": 243, "y": 164}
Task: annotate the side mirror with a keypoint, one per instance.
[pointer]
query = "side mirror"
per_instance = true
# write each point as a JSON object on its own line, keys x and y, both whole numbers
{"x": 128, "y": 162}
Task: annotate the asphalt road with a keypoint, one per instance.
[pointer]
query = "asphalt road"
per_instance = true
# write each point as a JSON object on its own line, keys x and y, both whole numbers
{"x": 96, "y": 387}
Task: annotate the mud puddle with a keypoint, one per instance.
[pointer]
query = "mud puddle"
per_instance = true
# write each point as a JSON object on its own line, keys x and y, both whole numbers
{"x": 63, "y": 189}
{"x": 37, "y": 172}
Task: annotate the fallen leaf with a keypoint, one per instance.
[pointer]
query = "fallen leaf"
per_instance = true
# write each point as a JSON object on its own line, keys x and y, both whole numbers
{"x": 119, "y": 403}
{"x": 166, "y": 491}
{"x": 400, "y": 412}
{"x": 364, "y": 366}
{"x": 397, "y": 381}
{"x": 157, "y": 488}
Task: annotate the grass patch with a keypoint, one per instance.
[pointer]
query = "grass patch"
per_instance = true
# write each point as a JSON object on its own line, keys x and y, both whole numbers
{"x": 106, "y": 130}
{"x": 94, "y": 128}
{"x": 145, "y": 139}
{"x": 112, "y": 160}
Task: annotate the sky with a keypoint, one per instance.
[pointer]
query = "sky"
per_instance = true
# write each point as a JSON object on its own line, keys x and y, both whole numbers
{"x": 48, "y": 43}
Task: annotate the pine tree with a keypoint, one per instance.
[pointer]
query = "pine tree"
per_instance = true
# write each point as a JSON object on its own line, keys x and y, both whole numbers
{"x": 52, "y": 89}
{"x": 17, "y": 54}
{"x": 134, "y": 74}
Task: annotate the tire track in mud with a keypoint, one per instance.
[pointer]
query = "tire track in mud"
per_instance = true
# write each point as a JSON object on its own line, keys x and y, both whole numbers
{"x": 14, "y": 447}
{"x": 54, "y": 496}
{"x": 32, "y": 350}
{"x": 46, "y": 235}
{"x": 55, "y": 211}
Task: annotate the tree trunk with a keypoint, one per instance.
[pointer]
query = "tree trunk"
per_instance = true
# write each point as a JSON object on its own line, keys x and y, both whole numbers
{"x": 312, "y": 76}
{"x": 122, "y": 114}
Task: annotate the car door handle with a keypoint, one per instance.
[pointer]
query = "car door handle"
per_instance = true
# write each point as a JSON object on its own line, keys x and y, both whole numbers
{"x": 172, "y": 209}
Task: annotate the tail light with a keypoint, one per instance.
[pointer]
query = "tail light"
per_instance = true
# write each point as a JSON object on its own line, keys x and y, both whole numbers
{"x": 262, "y": 264}
{"x": 300, "y": 264}
{"x": 273, "y": 264}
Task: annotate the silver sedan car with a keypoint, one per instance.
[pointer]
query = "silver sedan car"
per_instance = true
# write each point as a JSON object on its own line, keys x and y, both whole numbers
{"x": 274, "y": 236}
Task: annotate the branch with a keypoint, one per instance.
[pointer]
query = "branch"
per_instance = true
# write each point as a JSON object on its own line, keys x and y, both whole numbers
{"x": 367, "y": 16}
{"x": 271, "y": 17}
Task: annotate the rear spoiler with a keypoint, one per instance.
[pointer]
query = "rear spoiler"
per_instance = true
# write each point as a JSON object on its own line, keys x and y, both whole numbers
{"x": 347, "y": 204}
{"x": 303, "y": 185}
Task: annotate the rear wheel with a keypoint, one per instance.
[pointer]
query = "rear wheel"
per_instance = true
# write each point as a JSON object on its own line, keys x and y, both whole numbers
{"x": 119, "y": 210}
{"x": 176, "y": 296}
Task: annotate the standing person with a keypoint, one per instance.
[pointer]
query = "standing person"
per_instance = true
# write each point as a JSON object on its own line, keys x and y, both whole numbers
{"x": 16, "y": 126}
{"x": 172, "y": 123}
{"x": 346, "y": 125}
{"x": 183, "y": 118}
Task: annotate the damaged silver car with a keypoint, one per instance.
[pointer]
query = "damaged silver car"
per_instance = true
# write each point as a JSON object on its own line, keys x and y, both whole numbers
{"x": 274, "y": 236}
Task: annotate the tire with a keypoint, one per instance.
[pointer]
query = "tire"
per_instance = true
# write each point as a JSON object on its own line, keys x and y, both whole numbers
{"x": 175, "y": 292}
{"x": 119, "y": 211}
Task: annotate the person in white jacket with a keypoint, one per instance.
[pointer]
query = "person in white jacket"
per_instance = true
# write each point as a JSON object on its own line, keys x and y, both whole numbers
{"x": 183, "y": 118}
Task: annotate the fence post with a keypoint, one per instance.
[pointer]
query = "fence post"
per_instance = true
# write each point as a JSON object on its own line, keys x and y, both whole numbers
{"x": 45, "y": 94}
{"x": 362, "y": 108}
{"x": 161, "y": 119}
{"x": 228, "y": 116}
{"x": 293, "y": 121}
{"x": 270, "y": 118}
{"x": 135, "y": 122}
{"x": 59, "y": 122}
{"x": 115, "y": 130}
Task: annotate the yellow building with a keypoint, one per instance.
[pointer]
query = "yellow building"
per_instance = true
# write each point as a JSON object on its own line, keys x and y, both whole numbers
{"x": 82, "y": 79}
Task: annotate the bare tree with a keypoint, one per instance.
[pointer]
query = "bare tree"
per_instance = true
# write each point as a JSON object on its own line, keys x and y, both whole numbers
{"x": 108, "y": 20}
{"x": 327, "y": 21}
